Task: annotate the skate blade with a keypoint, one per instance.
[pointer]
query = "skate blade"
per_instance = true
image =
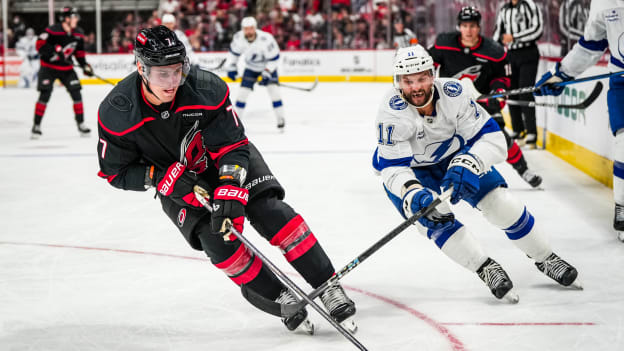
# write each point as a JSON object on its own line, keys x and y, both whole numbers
{"x": 349, "y": 325}
{"x": 85, "y": 135}
{"x": 35, "y": 136}
{"x": 576, "y": 284}
{"x": 306, "y": 326}
{"x": 620, "y": 236}
{"x": 511, "y": 297}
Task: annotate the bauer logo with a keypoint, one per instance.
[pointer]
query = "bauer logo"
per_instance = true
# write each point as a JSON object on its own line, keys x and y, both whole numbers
{"x": 397, "y": 103}
{"x": 452, "y": 89}
{"x": 181, "y": 217}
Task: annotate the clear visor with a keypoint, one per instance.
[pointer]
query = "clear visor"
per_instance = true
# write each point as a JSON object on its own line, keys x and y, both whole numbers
{"x": 167, "y": 77}
{"x": 402, "y": 81}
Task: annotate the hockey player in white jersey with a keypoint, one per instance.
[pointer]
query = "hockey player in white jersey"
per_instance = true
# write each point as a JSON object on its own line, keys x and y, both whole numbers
{"x": 432, "y": 136}
{"x": 27, "y": 51}
{"x": 261, "y": 59}
{"x": 604, "y": 29}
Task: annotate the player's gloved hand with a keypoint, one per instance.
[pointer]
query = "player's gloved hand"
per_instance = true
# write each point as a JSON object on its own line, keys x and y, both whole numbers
{"x": 88, "y": 70}
{"x": 267, "y": 77}
{"x": 463, "y": 175}
{"x": 418, "y": 198}
{"x": 494, "y": 105}
{"x": 228, "y": 206}
{"x": 232, "y": 75}
{"x": 178, "y": 184}
{"x": 546, "y": 83}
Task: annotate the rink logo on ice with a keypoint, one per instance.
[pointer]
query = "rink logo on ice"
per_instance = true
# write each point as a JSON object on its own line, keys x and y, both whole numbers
{"x": 181, "y": 217}
{"x": 452, "y": 89}
{"x": 397, "y": 103}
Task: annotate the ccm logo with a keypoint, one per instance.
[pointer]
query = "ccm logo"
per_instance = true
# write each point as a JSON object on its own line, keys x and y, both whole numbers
{"x": 174, "y": 172}
{"x": 229, "y": 193}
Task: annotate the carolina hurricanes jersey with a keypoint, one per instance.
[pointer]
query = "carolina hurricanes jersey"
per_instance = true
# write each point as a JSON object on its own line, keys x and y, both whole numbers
{"x": 407, "y": 139}
{"x": 199, "y": 129}
{"x": 56, "y": 47}
{"x": 486, "y": 64}
{"x": 604, "y": 28}
{"x": 261, "y": 53}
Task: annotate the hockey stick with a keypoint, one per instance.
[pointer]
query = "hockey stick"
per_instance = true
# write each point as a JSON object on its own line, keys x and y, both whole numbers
{"x": 103, "y": 79}
{"x": 527, "y": 90}
{"x": 221, "y": 63}
{"x": 202, "y": 196}
{"x": 289, "y": 310}
{"x": 310, "y": 88}
{"x": 580, "y": 106}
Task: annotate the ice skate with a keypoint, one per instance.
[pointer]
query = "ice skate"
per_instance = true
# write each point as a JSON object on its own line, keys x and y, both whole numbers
{"x": 530, "y": 141}
{"x": 300, "y": 320}
{"x": 83, "y": 130}
{"x": 497, "y": 280}
{"x": 532, "y": 178}
{"x": 618, "y": 221}
{"x": 281, "y": 123}
{"x": 559, "y": 270}
{"x": 340, "y": 307}
{"x": 35, "y": 132}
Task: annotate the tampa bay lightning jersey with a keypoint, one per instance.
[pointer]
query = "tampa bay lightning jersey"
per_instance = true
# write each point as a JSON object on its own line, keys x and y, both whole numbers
{"x": 406, "y": 139}
{"x": 261, "y": 53}
{"x": 604, "y": 28}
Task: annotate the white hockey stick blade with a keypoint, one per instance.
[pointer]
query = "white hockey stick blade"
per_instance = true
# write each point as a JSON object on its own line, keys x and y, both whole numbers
{"x": 306, "y": 326}
{"x": 511, "y": 297}
{"x": 349, "y": 325}
{"x": 576, "y": 284}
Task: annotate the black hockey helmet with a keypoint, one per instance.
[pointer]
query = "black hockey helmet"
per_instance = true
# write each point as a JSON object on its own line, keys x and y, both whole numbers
{"x": 159, "y": 46}
{"x": 469, "y": 14}
{"x": 67, "y": 11}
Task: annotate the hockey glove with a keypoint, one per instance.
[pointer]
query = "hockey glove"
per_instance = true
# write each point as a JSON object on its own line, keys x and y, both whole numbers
{"x": 546, "y": 84}
{"x": 228, "y": 207}
{"x": 418, "y": 198}
{"x": 495, "y": 105}
{"x": 232, "y": 75}
{"x": 178, "y": 184}
{"x": 87, "y": 70}
{"x": 267, "y": 78}
{"x": 463, "y": 175}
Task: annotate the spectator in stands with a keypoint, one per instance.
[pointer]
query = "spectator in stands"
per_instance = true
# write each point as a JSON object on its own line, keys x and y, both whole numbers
{"x": 168, "y": 6}
{"x": 402, "y": 37}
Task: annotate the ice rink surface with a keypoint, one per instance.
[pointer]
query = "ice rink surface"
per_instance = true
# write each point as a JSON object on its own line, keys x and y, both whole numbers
{"x": 84, "y": 266}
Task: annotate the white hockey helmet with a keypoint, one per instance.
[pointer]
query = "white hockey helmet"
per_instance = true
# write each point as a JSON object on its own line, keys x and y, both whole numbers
{"x": 409, "y": 60}
{"x": 249, "y": 22}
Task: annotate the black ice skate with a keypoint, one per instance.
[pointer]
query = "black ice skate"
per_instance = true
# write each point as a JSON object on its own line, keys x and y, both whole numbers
{"x": 300, "y": 319}
{"x": 533, "y": 179}
{"x": 618, "y": 221}
{"x": 83, "y": 130}
{"x": 35, "y": 132}
{"x": 497, "y": 280}
{"x": 559, "y": 270}
{"x": 340, "y": 307}
{"x": 281, "y": 123}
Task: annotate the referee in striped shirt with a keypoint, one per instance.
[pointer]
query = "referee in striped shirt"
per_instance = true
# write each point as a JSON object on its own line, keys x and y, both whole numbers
{"x": 518, "y": 26}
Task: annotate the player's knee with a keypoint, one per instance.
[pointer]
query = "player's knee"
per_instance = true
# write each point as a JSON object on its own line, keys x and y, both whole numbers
{"x": 44, "y": 95}
{"x": 75, "y": 95}
{"x": 441, "y": 236}
{"x": 506, "y": 212}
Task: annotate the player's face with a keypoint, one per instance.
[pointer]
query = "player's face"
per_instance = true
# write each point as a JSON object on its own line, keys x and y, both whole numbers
{"x": 165, "y": 80}
{"x": 416, "y": 87}
{"x": 469, "y": 32}
{"x": 73, "y": 21}
{"x": 250, "y": 33}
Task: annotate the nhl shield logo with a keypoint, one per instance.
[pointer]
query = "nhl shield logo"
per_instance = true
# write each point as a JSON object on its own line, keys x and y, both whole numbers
{"x": 164, "y": 114}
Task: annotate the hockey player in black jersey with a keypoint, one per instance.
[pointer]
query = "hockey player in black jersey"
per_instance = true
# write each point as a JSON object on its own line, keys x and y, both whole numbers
{"x": 57, "y": 45}
{"x": 170, "y": 126}
{"x": 466, "y": 54}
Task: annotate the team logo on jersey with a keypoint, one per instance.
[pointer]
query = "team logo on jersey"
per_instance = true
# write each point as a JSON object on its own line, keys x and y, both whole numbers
{"x": 181, "y": 217}
{"x": 452, "y": 89}
{"x": 397, "y": 103}
{"x": 164, "y": 114}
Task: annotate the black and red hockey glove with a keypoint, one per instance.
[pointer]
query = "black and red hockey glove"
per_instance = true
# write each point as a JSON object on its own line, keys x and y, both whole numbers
{"x": 228, "y": 204}
{"x": 178, "y": 184}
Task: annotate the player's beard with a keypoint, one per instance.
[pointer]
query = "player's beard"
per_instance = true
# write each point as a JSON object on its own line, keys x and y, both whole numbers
{"x": 419, "y": 97}
{"x": 250, "y": 38}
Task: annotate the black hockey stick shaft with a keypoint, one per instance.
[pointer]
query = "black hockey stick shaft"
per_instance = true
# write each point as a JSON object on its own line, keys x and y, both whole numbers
{"x": 221, "y": 63}
{"x": 581, "y": 105}
{"x": 531, "y": 89}
{"x": 202, "y": 196}
{"x": 310, "y": 88}
{"x": 103, "y": 79}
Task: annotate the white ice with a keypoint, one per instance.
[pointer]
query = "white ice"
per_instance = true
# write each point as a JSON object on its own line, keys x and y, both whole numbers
{"x": 84, "y": 266}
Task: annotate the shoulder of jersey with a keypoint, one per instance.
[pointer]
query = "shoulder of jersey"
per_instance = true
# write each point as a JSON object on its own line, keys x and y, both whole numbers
{"x": 492, "y": 50}
{"x": 446, "y": 40}
{"x": 238, "y": 36}
{"x": 392, "y": 104}
{"x": 119, "y": 113}
{"x": 205, "y": 87}
{"x": 262, "y": 35}
{"x": 55, "y": 29}
{"x": 449, "y": 87}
